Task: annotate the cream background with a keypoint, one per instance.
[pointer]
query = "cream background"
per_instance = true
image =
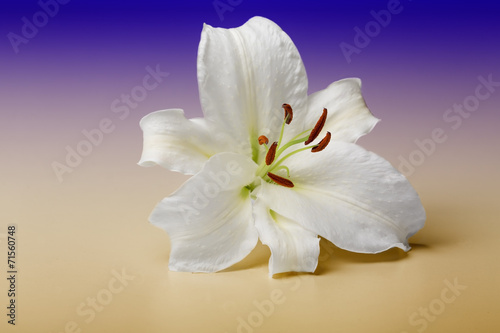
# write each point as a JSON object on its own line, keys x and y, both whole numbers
{"x": 73, "y": 235}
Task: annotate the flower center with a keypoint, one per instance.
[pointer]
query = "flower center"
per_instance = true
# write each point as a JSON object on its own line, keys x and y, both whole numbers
{"x": 274, "y": 162}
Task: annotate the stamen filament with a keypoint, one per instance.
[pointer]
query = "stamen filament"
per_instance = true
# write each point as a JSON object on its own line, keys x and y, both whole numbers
{"x": 289, "y": 144}
{"x": 281, "y": 133}
{"x": 277, "y": 164}
{"x": 301, "y": 133}
{"x": 283, "y": 167}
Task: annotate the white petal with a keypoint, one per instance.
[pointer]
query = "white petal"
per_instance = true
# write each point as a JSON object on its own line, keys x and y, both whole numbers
{"x": 209, "y": 219}
{"x": 176, "y": 143}
{"x": 245, "y": 74}
{"x": 293, "y": 248}
{"x": 349, "y": 196}
{"x": 348, "y": 117}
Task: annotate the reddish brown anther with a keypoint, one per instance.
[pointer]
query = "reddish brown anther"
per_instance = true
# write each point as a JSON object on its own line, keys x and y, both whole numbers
{"x": 288, "y": 113}
{"x": 317, "y": 129}
{"x": 271, "y": 153}
{"x": 322, "y": 144}
{"x": 263, "y": 140}
{"x": 280, "y": 180}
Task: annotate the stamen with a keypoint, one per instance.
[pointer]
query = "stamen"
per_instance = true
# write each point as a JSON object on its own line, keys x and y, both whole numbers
{"x": 263, "y": 140}
{"x": 288, "y": 113}
{"x": 280, "y": 180}
{"x": 317, "y": 128}
{"x": 322, "y": 144}
{"x": 274, "y": 160}
{"x": 271, "y": 153}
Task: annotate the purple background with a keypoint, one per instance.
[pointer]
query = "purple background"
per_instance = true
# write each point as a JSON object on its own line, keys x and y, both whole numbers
{"x": 67, "y": 76}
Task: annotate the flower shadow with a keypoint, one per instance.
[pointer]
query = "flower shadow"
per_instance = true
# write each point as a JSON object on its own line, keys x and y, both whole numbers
{"x": 331, "y": 257}
{"x": 259, "y": 257}
{"x": 437, "y": 233}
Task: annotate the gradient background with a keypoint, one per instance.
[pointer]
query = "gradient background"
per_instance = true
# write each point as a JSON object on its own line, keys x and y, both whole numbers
{"x": 72, "y": 235}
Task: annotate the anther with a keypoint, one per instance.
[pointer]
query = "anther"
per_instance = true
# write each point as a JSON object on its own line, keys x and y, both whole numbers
{"x": 317, "y": 128}
{"x": 263, "y": 140}
{"x": 323, "y": 143}
{"x": 288, "y": 113}
{"x": 280, "y": 180}
{"x": 271, "y": 153}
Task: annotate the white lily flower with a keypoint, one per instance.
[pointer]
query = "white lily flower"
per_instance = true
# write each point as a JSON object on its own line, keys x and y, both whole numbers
{"x": 253, "y": 176}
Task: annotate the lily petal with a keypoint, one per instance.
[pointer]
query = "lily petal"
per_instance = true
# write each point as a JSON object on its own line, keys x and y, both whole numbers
{"x": 245, "y": 74}
{"x": 293, "y": 248}
{"x": 209, "y": 219}
{"x": 351, "y": 197}
{"x": 176, "y": 143}
{"x": 348, "y": 116}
